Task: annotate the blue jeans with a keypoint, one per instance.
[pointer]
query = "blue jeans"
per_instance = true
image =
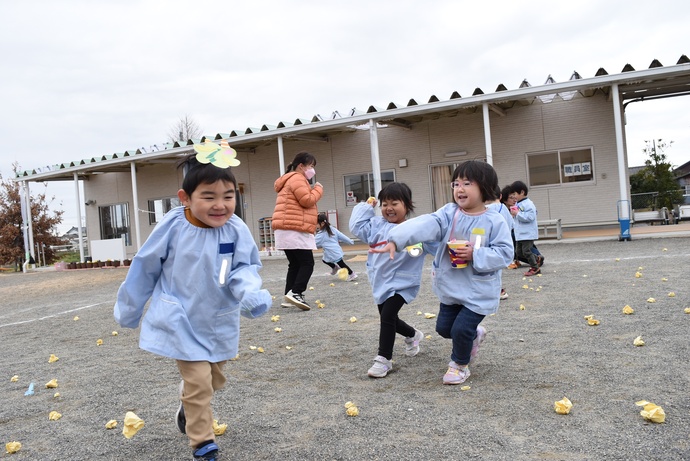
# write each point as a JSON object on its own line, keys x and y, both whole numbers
{"x": 458, "y": 323}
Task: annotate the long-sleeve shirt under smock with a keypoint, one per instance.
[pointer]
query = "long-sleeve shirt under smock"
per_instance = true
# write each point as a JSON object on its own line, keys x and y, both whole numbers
{"x": 401, "y": 275}
{"x": 332, "y": 252}
{"x": 199, "y": 280}
{"x": 477, "y": 286}
{"x": 526, "y": 227}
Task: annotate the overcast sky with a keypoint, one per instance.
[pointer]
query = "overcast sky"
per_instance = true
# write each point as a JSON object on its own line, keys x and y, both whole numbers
{"x": 82, "y": 78}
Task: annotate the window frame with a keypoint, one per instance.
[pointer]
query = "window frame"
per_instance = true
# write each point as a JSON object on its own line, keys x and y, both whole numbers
{"x": 560, "y": 167}
{"x": 370, "y": 181}
{"x": 152, "y": 212}
{"x": 127, "y": 225}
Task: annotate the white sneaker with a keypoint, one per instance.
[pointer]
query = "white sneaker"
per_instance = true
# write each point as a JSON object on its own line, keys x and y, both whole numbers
{"x": 351, "y": 277}
{"x": 412, "y": 344}
{"x": 456, "y": 374}
{"x": 380, "y": 368}
{"x": 481, "y": 333}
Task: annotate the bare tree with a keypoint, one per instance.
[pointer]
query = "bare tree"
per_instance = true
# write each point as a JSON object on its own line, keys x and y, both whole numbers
{"x": 185, "y": 128}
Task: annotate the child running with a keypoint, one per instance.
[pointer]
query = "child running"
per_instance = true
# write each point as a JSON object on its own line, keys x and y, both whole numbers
{"x": 503, "y": 210}
{"x": 395, "y": 282}
{"x": 328, "y": 238}
{"x": 200, "y": 269}
{"x": 467, "y": 294}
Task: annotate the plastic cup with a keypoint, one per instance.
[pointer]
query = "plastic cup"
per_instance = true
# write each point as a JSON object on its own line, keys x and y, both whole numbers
{"x": 456, "y": 262}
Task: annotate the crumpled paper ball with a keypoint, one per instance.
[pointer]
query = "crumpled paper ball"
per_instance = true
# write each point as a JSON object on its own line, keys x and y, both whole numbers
{"x": 12, "y": 447}
{"x": 275, "y": 318}
{"x": 112, "y": 424}
{"x": 219, "y": 429}
{"x": 54, "y": 416}
{"x": 591, "y": 320}
{"x": 52, "y": 384}
{"x": 53, "y": 358}
{"x": 563, "y": 406}
{"x": 638, "y": 341}
{"x": 14, "y": 378}
{"x": 99, "y": 342}
{"x": 351, "y": 409}
{"x": 353, "y": 319}
{"x": 638, "y": 275}
{"x": 429, "y": 315}
{"x": 627, "y": 310}
{"x": 342, "y": 274}
{"x": 132, "y": 425}
{"x": 651, "y": 411}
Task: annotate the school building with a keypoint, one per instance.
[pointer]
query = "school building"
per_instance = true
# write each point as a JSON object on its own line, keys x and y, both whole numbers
{"x": 565, "y": 140}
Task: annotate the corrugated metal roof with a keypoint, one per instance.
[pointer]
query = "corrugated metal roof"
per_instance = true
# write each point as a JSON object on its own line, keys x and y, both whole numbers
{"x": 657, "y": 80}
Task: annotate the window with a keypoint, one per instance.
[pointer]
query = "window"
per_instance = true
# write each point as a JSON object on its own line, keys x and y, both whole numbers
{"x": 115, "y": 222}
{"x": 158, "y": 208}
{"x": 359, "y": 187}
{"x": 441, "y": 177}
{"x": 560, "y": 167}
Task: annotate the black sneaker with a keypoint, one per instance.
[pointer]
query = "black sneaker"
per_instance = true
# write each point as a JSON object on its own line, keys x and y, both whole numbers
{"x": 180, "y": 419}
{"x": 208, "y": 452}
{"x": 297, "y": 299}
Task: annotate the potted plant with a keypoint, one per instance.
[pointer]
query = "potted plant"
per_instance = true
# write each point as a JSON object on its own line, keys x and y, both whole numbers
{"x": 109, "y": 263}
{"x": 116, "y": 263}
{"x": 126, "y": 262}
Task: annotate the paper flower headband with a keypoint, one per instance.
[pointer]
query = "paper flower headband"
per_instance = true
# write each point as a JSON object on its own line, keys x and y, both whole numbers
{"x": 222, "y": 155}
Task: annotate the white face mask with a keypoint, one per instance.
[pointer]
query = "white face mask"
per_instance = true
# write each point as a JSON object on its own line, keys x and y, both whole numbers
{"x": 309, "y": 173}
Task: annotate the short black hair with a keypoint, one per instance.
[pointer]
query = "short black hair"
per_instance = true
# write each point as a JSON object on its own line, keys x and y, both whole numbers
{"x": 398, "y": 191}
{"x": 482, "y": 173}
{"x": 519, "y": 186}
{"x": 505, "y": 193}
{"x": 196, "y": 173}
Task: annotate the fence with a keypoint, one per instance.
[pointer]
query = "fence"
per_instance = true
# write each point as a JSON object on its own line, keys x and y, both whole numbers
{"x": 656, "y": 200}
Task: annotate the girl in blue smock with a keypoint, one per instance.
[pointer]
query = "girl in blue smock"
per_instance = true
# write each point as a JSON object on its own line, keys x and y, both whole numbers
{"x": 328, "y": 238}
{"x": 467, "y": 294}
{"x": 395, "y": 282}
{"x": 199, "y": 267}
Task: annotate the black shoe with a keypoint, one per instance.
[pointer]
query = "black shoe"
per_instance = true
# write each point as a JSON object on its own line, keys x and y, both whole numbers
{"x": 180, "y": 419}
{"x": 208, "y": 452}
{"x": 297, "y": 299}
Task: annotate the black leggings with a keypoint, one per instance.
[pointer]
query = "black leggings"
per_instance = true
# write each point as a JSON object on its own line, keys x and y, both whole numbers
{"x": 300, "y": 268}
{"x": 391, "y": 324}
{"x": 340, "y": 263}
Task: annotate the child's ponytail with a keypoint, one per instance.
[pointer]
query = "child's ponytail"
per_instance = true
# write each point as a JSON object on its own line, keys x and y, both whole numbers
{"x": 324, "y": 219}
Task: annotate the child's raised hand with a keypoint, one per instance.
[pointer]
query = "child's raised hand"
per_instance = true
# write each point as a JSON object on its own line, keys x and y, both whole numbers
{"x": 387, "y": 248}
{"x": 372, "y": 201}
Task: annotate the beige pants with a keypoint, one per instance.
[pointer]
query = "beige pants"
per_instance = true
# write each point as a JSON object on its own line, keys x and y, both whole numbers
{"x": 201, "y": 380}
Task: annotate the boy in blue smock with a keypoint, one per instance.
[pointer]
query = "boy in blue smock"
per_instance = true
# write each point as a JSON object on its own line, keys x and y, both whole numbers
{"x": 200, "y": 269}
{"x": 526, "y": 228}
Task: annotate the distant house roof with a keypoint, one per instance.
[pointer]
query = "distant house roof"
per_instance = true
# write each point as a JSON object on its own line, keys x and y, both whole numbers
{"x": 656, "y": 81}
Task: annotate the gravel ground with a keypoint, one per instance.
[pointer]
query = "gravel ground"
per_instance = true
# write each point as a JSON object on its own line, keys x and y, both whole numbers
{"x": 288, "y": 404}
